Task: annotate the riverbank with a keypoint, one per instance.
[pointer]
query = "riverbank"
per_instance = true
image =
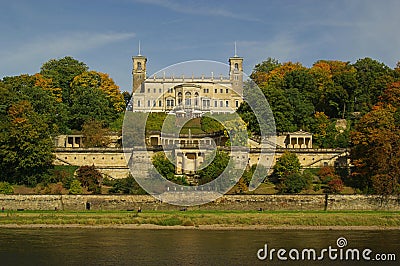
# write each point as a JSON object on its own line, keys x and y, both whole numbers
{"x": 201, "y": 227}
{"x": 205, "y": 220}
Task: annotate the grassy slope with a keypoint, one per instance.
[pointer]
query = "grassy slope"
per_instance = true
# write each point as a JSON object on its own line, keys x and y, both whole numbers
{"x": 196, "y": 218}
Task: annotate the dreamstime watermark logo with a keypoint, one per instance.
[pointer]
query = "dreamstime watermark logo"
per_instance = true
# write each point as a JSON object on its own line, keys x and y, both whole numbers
{"x": 194, "y": 94}
{"x": 340, "y": 253}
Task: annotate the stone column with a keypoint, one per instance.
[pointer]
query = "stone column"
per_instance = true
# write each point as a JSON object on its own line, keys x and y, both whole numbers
{"x": 183, "y": 162}
{"x": 195, "y": 162}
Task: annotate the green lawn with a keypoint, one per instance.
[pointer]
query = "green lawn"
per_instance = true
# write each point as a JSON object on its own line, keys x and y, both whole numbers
{"x": 199, "y": 218}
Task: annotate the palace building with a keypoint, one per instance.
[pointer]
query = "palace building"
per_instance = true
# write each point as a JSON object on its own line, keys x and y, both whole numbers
{"x": 186, "y": 96}
{"x": 190, "y": 97}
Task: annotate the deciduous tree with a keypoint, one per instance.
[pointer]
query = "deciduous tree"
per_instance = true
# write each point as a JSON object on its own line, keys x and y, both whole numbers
{"x": 96, "y": 135}
{"x": 286, "y": 165}
{"x": 214, "y": 168}
{"x": 101, "y": 81}
{"x": 90, "y": 178}
{"x": 88, "y": 104}
{"x": 26, "y": 145}
{"x": 163, "y": 165}
{"x": 62, "y": 72}
{"x": 376, "y": 151}
{"x": 373, "y": 78}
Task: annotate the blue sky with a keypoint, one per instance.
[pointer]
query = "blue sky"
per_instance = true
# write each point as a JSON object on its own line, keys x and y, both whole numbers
{"x": 105, "y": 33}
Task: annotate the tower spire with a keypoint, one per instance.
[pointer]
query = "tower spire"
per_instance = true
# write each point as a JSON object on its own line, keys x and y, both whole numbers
{"x": 235, "y": 50}
{"x": 139, "y": 49}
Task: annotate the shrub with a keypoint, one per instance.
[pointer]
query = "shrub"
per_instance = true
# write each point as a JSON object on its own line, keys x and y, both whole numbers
{"x": 326, "y": 174}
{"x": 75, "y": 187}
{"x": 64, "y": 174}
{"x": 126, "y": 186}
{"x": 286, "y": 165}
{"x": 90, "y": 178}
{"x": 293, "y": 183}
{"x": 317, "y": 187}
{"x": 6, "y": 188}
{"x": 335, "y": 186}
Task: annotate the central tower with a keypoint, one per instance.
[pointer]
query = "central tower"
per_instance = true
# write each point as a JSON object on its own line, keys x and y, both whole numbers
{"x": 138, "y": 70}
{"x": 236, "y": 73}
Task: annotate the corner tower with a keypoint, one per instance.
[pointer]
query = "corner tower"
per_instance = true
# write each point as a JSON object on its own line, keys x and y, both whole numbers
{"x": 236, "y": 72}
{"x": 138, "y": 70}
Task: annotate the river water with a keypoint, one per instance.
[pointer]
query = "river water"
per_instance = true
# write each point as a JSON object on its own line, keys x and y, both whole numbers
{"x": 77, "y": 246}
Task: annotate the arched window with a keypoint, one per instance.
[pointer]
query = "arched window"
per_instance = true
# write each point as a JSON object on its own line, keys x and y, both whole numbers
{"x": 139, "y": 65}
{"x": 196, "y": 99}
{"x": 179, "y": 98}
{"x": 188, "y": 99}
{"x": 236, "y": 66}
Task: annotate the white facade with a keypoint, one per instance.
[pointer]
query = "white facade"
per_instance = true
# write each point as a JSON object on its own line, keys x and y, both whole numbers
{"x": 184, "y": 96}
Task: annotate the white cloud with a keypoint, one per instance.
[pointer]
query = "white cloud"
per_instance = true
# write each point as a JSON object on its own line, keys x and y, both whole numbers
{"x": 195, "y": 8}
{"x": 46, "y": 47}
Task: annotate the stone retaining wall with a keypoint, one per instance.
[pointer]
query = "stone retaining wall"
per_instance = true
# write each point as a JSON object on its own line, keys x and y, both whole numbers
{"x": 228, "y": 202}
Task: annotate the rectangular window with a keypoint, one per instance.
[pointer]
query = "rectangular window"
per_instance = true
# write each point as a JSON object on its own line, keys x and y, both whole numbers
{"x": 154, "y": 103}
{"x": 226, "y": 103}
{"x": 227, "y": 90}
{"x": 215, "y": 91}
{"x": 159, "y": 103}
{"x": 221, "y": 90}
{"x": 159, "y": 90}
{"x": 148, "y": 103}
{"x": 154, "y": 90}
{"x": 237, "y": 104}
{"x": 138, "y": 103}
{"x": 215, "y": 104}
{"x": 148, "y": 90}
{"x": 221, "y": 104}
{"x": 170, "y": 102}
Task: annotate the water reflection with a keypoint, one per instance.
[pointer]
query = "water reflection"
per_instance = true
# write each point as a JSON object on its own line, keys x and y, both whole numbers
{"x": 174, "y": 247}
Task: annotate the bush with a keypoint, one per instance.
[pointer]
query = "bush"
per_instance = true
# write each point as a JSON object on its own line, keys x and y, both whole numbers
{"x": 326, "y": 174}
{"x": 64, "y": 174}
{"x": 6, "y": 188}
{"x": 90, "y": 178}
{"x": 317, "y": 187}
{"x": 75, "y": 187}
{"x": 293, "y": 183}
{"x": 287, "y": 164}
{"x": 126, "y": 186}
{"x": 335, "y": 186}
